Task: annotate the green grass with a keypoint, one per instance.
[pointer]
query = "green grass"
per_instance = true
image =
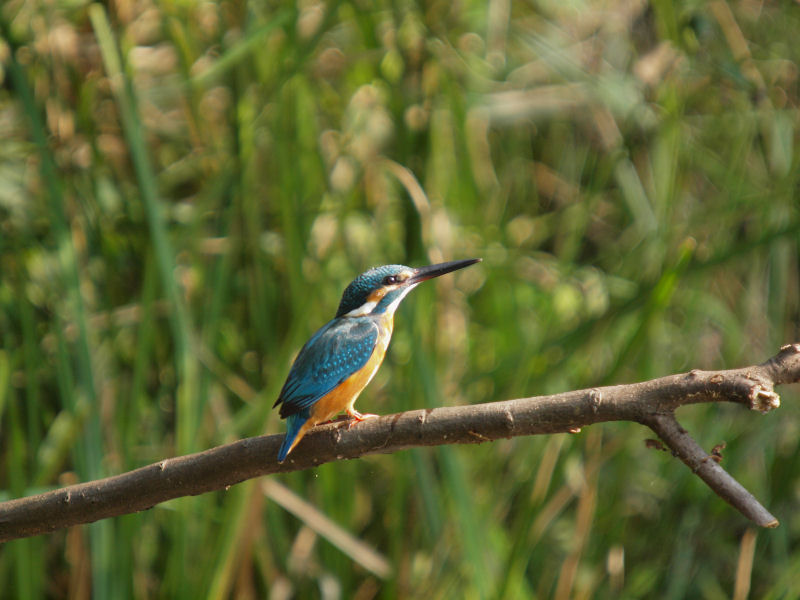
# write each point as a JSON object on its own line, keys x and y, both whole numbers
{"x": 185, "y": 190}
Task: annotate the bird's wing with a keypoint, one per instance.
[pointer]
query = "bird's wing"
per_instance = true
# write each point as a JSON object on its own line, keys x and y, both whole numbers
{"x": 334, "y": 353}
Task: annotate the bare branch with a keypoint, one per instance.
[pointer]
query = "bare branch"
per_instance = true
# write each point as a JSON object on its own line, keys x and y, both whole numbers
{"x": 706, "y": 467}
{"x": 650, "y": 403}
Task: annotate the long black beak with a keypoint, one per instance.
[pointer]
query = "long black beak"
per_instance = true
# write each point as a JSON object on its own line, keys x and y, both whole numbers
{"x": 429, "y": 272}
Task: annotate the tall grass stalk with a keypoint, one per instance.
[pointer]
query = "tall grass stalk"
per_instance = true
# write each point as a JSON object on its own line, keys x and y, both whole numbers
{"x": 185, "y": 190}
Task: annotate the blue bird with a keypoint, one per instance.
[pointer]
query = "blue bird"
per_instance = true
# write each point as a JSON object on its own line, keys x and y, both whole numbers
{"x": 342, "y": 357}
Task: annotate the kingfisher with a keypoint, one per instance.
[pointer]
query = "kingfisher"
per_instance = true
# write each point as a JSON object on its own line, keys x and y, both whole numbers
{"x": 340, "y": 359}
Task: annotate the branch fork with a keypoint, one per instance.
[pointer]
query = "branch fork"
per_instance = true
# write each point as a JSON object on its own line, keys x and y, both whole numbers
{"x": 651, "y": 403}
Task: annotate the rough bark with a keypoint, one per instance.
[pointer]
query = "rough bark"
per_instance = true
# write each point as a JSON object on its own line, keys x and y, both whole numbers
{"x": 651, "y": 403}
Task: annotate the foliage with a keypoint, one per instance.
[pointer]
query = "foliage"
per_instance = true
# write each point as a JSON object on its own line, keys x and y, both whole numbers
{"x": 186, "y": 188}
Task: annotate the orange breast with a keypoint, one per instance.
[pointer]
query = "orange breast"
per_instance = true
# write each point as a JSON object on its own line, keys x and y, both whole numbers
{"x": 345, "y": 394}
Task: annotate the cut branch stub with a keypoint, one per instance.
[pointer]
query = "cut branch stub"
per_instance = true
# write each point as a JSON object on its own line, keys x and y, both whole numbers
{"x": 651, "y": 403}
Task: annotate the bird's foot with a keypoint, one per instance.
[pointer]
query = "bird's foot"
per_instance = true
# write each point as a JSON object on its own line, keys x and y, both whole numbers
{"x": 357, "y": 417}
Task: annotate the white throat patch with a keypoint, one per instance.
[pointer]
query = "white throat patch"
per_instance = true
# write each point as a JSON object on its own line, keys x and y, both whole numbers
{"x": 396, "y": 302}
{"x": 368, "y": 307}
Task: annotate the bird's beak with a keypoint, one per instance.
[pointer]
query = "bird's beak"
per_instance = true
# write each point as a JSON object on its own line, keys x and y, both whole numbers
{"x": 429, "y": 272}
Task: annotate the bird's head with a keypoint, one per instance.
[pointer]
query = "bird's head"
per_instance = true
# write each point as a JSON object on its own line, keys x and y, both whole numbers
{"x": 381, "y": 289}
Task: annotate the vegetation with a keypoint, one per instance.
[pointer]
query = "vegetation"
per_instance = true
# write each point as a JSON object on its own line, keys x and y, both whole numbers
{"x": 186, "y": 188}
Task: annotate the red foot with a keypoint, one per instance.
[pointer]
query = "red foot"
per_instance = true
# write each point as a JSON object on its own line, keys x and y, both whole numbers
{"x": 357, "y": 417}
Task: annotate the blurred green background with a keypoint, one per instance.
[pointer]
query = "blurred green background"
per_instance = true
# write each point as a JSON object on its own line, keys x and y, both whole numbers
{"x": 186, "y": 188}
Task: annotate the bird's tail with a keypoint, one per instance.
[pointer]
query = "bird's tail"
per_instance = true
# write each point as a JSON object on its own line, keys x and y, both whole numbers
{"x": 294, "y": 423}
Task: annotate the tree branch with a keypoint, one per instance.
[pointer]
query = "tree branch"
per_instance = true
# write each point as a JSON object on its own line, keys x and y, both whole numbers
{"x": 707, "y": 468}
{"x": 651, "y": 403}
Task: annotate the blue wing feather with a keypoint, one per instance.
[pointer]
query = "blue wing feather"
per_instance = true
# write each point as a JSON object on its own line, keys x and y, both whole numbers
{"x": 335, "y": 352}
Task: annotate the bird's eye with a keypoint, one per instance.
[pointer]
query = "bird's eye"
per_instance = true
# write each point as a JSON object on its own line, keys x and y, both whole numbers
{"x": 390, "y": 280}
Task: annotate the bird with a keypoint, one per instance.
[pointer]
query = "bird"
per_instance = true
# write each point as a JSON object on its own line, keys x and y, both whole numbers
{"x": 342, "y": 357}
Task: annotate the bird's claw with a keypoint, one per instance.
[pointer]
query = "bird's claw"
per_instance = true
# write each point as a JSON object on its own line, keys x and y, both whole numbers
{"x": 357, "y": 417}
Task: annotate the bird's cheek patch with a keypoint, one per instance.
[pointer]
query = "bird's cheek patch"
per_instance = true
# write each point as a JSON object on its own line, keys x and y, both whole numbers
{"x": 377, "y": 295}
